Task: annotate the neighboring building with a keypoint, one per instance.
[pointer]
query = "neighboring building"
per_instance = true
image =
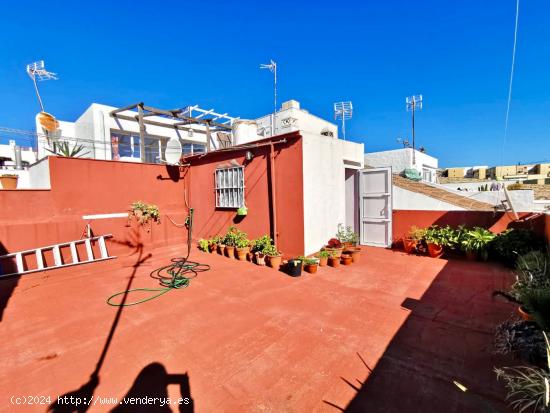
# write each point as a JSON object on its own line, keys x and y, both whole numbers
{"x": 291, "y": 118}
{"x": 510, "y": 172}
{"x": 8, "y": 155}
{"x": 456, "y": 172}
{"x": 480, "y": 173}
{"x": 401, "y": 159}
{"x": 542, "y": 169}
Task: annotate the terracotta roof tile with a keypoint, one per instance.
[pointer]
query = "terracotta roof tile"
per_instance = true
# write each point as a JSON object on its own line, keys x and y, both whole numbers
{"x": 441, "y": 194}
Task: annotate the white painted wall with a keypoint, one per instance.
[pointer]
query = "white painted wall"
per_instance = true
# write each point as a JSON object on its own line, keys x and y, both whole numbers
{"x": 8, "y": 151}
{"x": 293, "y": 119}
{"x": 324, "y": 164}
{"x": 401, "y": 159}
{"x": 39, "y": 174}
{"x": 409, "y": 200}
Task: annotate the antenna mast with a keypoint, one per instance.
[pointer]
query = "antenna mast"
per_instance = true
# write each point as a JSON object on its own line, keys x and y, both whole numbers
{"x": 272, "y": 66}
{"x": 343, "y": 111}
{"x": 37, "y": 70}
{"x": 414, "y": 103}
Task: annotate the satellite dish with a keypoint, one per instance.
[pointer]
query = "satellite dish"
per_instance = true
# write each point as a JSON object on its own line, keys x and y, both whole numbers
{"x": 47, "y": 121}
{"x": 172, "y": 154}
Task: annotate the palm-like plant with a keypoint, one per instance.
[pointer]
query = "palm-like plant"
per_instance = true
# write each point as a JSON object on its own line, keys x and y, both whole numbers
{"x": 528, "y": 387}
{"x": 63, "y": 148}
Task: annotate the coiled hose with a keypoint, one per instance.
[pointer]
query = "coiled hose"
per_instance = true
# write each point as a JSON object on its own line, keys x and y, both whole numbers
{"x": 174, "y": 276}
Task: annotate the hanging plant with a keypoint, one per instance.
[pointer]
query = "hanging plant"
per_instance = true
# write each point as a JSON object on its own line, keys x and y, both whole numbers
{"x": 144, "y": 213}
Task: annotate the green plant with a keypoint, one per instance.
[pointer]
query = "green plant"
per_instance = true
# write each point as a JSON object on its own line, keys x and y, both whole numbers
{"x": 532, "y": 271}
{"x": 523, "y": 339}
{"x": 416, "y": 234}
{"x": 310, "y": 261}
{"x": 476, "y": 239}
{"x": 260, "y": 244}
{"x": 271, "y": 251}
{"x": 527, "y": 387}
{"x": 144, "y": 213}
{"x": 324, "y": 254}
{"x": 346, "y": 234}
{"x": 63, "y": 148}
{"x": 242, "y": 242}
{"x": 512, "y": 243}
{"x": 218, "y": 239}
{"x": 203, "y": 244}
{"x": 233, "y": 236}
{"x": 537, "y": 303}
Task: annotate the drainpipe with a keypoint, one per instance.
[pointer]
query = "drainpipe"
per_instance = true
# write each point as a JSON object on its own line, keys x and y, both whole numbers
{"x": 272, "y": 189}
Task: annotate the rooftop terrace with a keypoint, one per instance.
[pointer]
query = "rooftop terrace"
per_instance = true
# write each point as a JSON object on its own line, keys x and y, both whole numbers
{"x": 384, "y": 334}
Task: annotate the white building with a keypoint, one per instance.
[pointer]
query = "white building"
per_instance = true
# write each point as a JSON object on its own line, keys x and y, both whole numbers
{"x": 8, "y": 155}
{"x": 401, "y": 159}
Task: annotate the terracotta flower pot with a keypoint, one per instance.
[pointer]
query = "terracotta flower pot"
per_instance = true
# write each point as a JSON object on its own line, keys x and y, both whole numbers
{"x": 230, "y": 251}
{"x": 212, "y": 247}
{"x": 524, "y": 314}
{"x": 337, "y": 252}
{"x": 275, "y": 262}
{"x": 323, "y": 261}
{"x": 221, "y": 249}
{"x": 435, "y": 250}
{"x": 409, "y": 245}
{"x": 242, "y": 252}
{"x": 9, "y": 182}
{"x": 260, "y": 258}
{"x": 346, "y": 259}
{"x": 311, "y": 268}
{"x": 334, "y": 261}
{"x": 355, "y": 253}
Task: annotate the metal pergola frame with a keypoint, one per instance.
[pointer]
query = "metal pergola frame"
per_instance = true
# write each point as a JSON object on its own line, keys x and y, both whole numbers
{"x": 144, "y": 111}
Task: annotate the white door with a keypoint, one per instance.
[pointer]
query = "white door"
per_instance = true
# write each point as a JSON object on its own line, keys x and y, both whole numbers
{"x": 375, "y": 207}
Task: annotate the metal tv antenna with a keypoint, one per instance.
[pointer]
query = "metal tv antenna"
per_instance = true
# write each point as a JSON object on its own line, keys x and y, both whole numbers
{"x": 414, "y": 103}
{"x": 36, "y": 70}
{"x": 272, "y": 66}
{"x": 343, "y": 111}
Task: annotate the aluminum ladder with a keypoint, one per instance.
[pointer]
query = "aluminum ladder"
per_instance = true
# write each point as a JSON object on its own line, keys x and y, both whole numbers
{"x": 41, "y": 265}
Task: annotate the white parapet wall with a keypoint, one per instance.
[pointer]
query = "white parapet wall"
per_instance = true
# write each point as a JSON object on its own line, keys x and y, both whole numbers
{"x": 324, "y": 173}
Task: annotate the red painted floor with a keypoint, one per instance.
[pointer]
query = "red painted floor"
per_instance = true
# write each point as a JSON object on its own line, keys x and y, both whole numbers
{"x": 247, "y": 338}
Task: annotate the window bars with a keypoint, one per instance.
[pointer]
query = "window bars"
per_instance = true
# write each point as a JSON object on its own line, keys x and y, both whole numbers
{"x": 230, "y": 187}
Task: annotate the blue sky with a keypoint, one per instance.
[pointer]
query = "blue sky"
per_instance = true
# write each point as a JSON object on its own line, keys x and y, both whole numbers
{"x": 171, "y": 54}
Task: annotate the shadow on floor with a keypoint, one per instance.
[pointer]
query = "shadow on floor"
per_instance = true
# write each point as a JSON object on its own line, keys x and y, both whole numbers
{"x": 7, "y": 284}
{"x": 86, "y": 391}
{"x": 447, "y": 336}
{"x": 152, "y": 382}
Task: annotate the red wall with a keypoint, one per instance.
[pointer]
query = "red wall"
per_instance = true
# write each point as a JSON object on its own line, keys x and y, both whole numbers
{"x": 34, "y": 218}
{"x": 403, "y": 220}
{"x": 210, "y": 221}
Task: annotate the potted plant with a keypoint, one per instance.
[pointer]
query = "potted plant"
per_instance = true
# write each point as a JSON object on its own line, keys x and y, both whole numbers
{"x": 346, "y": 259}
{"x": 333, "y": 260}
{"x": 213, "y": 243}
{"x": 204, "y": 245}
{"x": 346, "y": 236}
{"x": 310, "y": 265}
{"x": 9, "y": 181}
{"x": 434, "y": 241}
{"x": 294, "y": 267}
{"x": 274, "y": 256}
{"x": 243, "y": 248}
{"x": 475, "y": 243}
{"x": 412, "y": 239}
{"x": 323, "y": 258}
{"x": 258, "y": 247}
{"x": 230, "y": 241}
{"x": 335, "y": 247}
{"x": 144, "y": 214}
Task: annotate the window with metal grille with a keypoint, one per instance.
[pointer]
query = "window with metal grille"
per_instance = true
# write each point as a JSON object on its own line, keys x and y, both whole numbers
{"x": 230, "y": 187}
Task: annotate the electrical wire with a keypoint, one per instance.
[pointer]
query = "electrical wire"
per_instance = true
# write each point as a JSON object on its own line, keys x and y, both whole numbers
{"x": 511, "y": 81}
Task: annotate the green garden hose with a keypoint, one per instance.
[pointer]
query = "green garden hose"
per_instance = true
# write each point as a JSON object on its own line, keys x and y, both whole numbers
{"x": 171, "y": 277}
